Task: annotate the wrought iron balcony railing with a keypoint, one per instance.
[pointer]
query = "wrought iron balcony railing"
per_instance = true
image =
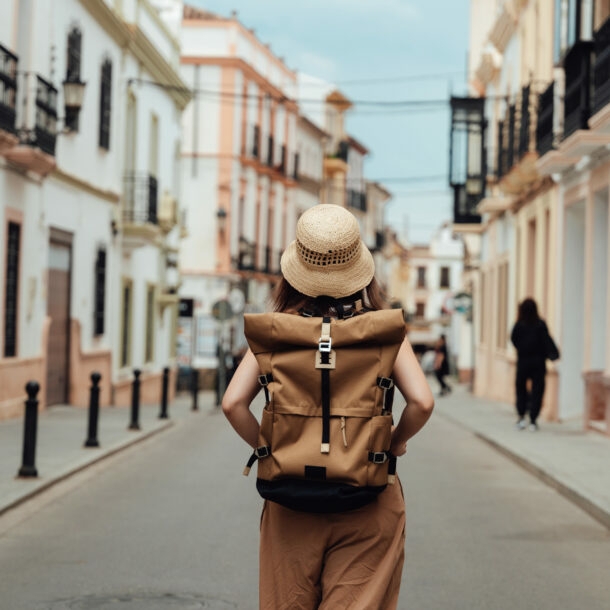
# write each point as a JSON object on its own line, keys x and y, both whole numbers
{"x": 577, "y": 100}
{"x": 356, "y": 200}
{"x": 601, "y": 68}
{"x": 8, "y": 89}
{"x": 141, "y": 196}
{"x": 545, "y": 135}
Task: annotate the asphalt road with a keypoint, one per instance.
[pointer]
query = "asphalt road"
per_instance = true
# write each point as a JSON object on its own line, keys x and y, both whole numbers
{"x": 172, "y": 523}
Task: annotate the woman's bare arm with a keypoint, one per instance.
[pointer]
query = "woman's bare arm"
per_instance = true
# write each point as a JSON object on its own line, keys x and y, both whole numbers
{"x": 243, "y": 388}
{"x": 411, "y": 381}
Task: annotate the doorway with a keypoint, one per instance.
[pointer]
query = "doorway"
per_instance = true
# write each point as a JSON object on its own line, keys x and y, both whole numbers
{"x": 58, "y": 309}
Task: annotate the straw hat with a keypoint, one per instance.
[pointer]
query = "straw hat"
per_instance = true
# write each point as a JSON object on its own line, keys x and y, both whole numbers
{"x": 327, "y": 257}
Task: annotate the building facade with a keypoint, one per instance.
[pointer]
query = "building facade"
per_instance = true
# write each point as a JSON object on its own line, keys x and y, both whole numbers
{"x": 537, "y": 69}
{"x": 76, "y": 228}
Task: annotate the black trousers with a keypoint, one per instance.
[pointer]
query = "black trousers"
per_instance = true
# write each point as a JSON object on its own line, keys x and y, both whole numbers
{"x": 440, "y": 376}
{"x": 530, "y": 401}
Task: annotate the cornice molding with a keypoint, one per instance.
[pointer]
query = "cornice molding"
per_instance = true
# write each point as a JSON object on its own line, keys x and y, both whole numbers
{"x": 158, "y": 67}
{"x": 83, "y": 185}
{"x": 131, "y": 37}
{"x": 248, "y": 71}
{"x": 504, "y": 27}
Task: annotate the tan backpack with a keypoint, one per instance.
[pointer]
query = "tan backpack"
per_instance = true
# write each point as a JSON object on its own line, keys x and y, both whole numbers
{"x": 326, "y": 427}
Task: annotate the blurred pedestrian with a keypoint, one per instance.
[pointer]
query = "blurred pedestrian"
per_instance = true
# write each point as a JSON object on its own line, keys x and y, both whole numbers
{"x": 534, "y": 345}
{"x": 441, "y": 364}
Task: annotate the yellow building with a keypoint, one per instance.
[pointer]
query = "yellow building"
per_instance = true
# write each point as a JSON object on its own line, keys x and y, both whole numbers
{"x": 540, "y": 205}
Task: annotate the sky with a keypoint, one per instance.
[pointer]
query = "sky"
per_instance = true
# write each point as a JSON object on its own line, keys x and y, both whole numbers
{"x": 381, "y": 50}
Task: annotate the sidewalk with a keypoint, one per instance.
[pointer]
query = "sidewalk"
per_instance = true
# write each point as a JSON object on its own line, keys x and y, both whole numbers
{"x": 570, "y": 459}
{"x": 62, "y": 431}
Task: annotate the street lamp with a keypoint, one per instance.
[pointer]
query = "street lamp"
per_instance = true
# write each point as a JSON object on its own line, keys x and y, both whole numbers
{"x": 74, "y": 91}
{"x": 221, "y": 216}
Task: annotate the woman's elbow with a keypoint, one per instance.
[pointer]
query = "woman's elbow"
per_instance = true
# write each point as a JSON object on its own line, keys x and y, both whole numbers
{"x": 427, "y": 405}
{"x": 229, "y": 407}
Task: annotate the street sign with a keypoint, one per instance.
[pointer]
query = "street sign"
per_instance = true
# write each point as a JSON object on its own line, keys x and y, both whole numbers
{"x": 222, "y": 310}
{"x": 462, "y": 302}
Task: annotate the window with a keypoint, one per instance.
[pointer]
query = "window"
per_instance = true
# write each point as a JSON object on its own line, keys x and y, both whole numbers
{"x": 421, "y": 277}
{"x": 149, "y": 348}
{"x": 126, "y": 324}
{"x": 105, "y": 104}
{"x": 73, "y": 61}
{"x": 11, "y": 289}
{"x": 502, "y": 331}
{"x": 420, "y": 310}
{"x": 445, "y": 277}
{"x": 99, "y": 299}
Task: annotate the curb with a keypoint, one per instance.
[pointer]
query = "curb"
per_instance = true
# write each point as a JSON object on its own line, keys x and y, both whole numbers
{"x": 571, "y": 494}
{"x": 62, "y": 476}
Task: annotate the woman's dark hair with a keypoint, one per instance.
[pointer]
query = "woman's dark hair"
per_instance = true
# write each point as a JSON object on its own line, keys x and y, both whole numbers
{"x": 528, "y": 312}
{"x": 285, "y": 298}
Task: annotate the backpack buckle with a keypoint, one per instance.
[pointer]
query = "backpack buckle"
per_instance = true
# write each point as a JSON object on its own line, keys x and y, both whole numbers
{"x": 262, "y": 452}
{"x": 378, "y": 457}
{"x": 325, "y": 344}
{"x": 331, "y": 364}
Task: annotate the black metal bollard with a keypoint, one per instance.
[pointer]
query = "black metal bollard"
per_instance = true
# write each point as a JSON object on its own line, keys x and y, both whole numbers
{"x": 164, "y": 387}
{"x": 28, "y": 465}
{"x": 135, "y": 401}
{"x": 94, "y": 410}
{"x": 195, "y": 388}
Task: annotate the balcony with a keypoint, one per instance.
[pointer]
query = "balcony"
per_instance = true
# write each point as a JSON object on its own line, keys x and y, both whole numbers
{"x": 516, "y": 145}
{"x": 247, "y": 253}
{"x": 37, "y": 125}
{"x": 600, "y": 121}
{"x": 467, "y": 158}
{"x": 545, "y": 135}
{"x": 356, "y": 200}
{"x": 577, "y": 99}
{"x": 8, "y": 99}
{"x": 140, "y": 221}
{"x": 601, "y": 67}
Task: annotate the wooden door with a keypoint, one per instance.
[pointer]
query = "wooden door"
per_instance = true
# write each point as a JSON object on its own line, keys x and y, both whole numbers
{"x": 58, "y": 309}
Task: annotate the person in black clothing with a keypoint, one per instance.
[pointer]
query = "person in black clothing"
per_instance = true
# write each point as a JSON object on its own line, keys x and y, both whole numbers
{"x": 530, "y": 337}
{"x": 441, "y": 365}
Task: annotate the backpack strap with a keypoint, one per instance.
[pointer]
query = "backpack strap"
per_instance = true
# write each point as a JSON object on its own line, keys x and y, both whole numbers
{"x": 325, "y": 361}
{"x": 387, "y": 385}
{"x": 259, "y": 453}
{"x": 264, "y": 381}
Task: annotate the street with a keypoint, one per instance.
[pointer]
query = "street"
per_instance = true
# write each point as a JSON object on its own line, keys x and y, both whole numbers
{"x": 172, "y": 523}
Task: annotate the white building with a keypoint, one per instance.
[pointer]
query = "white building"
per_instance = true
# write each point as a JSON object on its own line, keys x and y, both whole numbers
{"x": 239, "y": 156}
{"x": 83, "y": 272}
{"x": 435, "y": 277}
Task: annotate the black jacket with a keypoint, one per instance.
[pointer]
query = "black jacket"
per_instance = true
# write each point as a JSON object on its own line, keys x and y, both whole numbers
{"x": 530, "y": 340}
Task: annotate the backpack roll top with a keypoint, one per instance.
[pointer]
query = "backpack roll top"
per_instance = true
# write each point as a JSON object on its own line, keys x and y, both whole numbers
{"x": 325, "y": 430}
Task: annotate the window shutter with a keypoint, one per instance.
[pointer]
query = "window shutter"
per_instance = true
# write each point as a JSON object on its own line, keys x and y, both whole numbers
{"x": 105, "y": 105}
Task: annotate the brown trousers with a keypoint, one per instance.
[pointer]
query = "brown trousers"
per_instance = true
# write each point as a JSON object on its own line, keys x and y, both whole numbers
{"x": 341, "y": 561}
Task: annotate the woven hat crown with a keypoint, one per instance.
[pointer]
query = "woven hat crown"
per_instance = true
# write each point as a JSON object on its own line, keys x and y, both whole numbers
{"x": 328, "y": 256}
{"x": 327, "y": 235}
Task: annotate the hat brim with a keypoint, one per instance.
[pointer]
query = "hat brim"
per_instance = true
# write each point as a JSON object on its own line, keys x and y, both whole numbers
{"x": 335, "y": 281}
